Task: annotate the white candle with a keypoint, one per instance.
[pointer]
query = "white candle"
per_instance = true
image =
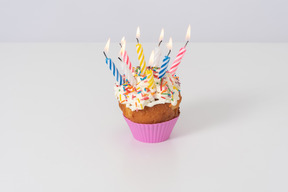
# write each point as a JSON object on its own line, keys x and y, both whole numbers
{"x": 157, "y": 50}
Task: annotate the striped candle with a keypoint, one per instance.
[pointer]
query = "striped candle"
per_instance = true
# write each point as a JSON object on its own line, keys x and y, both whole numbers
{"x": 181, "y": 53}
{"x": 166, "y": 60}
{"x": 141, "y": 58}
{"x": 124, "y": 54}
{"x": 116, "y": 74}
{"x": 128, "y": 75}
{"x": 177, "y": 61}
{"x": 140, "y": 53}
{"x": 128, "y": 67}
{"x": 127, "y": 60}
{"x": 164, "y": 66}
{"x": 150, "y": 78}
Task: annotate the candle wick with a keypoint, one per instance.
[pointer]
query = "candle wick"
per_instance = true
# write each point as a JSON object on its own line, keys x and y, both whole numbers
{"x": 137, "y": 40}
{"x": 105, "y": 54}
{"x": 159, "y": 43}
{"x": 169, "y": 53}
{"x": 120, "y": 44}
{"x": 186, "y": 44}
{"x": 120, "y": 59}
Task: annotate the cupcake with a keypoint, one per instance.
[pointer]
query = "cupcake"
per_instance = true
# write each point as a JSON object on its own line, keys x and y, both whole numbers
{"x": 151, "y": 109}
{"x": 149, "y": 96}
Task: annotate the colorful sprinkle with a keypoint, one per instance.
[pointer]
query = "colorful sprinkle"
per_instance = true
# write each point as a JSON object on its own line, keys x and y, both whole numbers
{"x": 145, "y": 98}
{"x": 163, "y": 91}
{"x": 164, "y": 84}
{"x": 166, "y": 87}
{"x": 142, "y": 79}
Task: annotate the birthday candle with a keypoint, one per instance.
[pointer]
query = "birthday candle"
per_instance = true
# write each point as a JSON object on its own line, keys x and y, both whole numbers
{"x": 157, "y": 50}
{"x": 127, "y": 64}
{"x": 140, "y": 53}
{"x": 124, "y": 70}
{"x": 150, "y": 79}
{"x": 149, "y": 73}
{"x": 111, "y": 65}
{"x": 125, "y": 55}
{"x": 166, "y": 60}
{"x": 180, "y": 55}
{"x": 164, "y": 66}
{"x": 177, "y": 61}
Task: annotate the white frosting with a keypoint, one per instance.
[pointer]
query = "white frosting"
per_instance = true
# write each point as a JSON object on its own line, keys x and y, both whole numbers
{"x": 139, "y": 97}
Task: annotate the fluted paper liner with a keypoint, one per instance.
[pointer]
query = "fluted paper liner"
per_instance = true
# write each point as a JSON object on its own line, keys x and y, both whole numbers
{"x": 152, "y": 133}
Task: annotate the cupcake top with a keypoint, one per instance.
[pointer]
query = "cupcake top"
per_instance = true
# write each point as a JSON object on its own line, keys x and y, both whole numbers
{"x": 150, "y": 90}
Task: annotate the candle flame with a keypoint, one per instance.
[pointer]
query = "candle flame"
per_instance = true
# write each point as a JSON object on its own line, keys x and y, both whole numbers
{"x": 138, "y": 33}
{"x": 188, "y": 33}
{"x": 161, "y": 35}
{"x": 169, "y": 44}
{"x": 122, "y": 40}
{"x": 123, "y": 46}
{"x": 106, "y": 49}
{"x": 151, "y": 60}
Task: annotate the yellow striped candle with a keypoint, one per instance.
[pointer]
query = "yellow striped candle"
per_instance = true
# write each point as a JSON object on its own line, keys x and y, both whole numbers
{"x": 149, "y": 73}
{"x": 150, "y": 78}
{"x": 140, "y": 53}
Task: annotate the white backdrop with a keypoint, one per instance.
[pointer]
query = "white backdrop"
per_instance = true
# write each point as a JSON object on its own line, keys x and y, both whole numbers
{"x": 95, "y": 21}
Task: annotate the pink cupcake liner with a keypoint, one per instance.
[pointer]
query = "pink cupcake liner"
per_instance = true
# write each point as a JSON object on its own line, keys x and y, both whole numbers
{"x": 152, "y": 133}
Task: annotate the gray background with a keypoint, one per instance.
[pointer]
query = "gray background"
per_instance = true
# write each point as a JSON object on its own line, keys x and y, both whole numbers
{"x": 95, "y": 21}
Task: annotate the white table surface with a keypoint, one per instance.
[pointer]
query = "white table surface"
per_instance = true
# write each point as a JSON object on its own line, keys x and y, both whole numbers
{"x": 61, "y": 129}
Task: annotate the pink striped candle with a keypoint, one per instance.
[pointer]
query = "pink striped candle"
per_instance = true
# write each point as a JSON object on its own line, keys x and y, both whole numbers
{"x": 180, "y": 55}
{"x": 125, "y": 56}
{"x": 177, "y": 61}
{"x": 126, "y": 60}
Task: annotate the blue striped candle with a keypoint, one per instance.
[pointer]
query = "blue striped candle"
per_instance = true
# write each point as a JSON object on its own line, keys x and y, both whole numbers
{"x": 164, "y": 66}
{"x": 116, "y": 74}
